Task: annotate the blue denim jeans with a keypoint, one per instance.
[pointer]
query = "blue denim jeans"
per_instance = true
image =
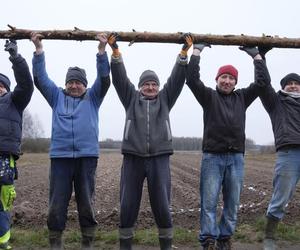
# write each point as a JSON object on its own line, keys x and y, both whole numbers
{"x": 135, "y": 170}
{"x": 64, "y": 174}
{"x": 220, "y": 171}
{"x": 286, "y": 176}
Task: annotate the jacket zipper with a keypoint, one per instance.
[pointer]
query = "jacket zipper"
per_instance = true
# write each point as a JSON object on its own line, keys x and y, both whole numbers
{"x": 148, "y": 126}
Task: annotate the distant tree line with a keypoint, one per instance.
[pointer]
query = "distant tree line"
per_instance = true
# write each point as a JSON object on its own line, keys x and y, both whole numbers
{"x": 38, "y": 145}
{"x": 34, "y": 141}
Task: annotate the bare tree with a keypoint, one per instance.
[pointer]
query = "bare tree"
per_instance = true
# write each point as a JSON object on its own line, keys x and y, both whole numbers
{"x": 32, "y": 127}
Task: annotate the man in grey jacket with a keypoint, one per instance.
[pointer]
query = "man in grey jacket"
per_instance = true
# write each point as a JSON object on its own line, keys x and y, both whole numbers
{"x": 147, "y": 143}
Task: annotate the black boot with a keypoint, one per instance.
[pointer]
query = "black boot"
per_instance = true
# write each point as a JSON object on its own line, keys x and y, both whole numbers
{"x": 126, "y": 244}
{"x": 87, "y": 242}
{"x": 55, "y": 240}
{"x": 165, "y": 243}
{"x": 88, "y": 236}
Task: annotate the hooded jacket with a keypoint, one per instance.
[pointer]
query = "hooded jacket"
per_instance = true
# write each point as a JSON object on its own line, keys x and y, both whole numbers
{"x": 75, "y": 129}
{"x": 12, "y": 105}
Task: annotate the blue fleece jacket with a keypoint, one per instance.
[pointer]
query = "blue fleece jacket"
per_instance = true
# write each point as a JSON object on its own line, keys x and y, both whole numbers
{"x": 74, "y": 119}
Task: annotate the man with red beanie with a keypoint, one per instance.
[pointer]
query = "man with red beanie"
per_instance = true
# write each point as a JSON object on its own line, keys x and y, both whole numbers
{"x": 223, "y": 145}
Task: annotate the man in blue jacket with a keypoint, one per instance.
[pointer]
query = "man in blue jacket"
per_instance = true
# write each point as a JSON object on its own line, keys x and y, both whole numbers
{"x": 74, "y": 141}
{"x": 12, "y": 105}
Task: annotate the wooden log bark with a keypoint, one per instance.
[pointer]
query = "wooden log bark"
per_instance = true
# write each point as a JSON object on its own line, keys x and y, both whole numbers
{"x": 154, "y": 37}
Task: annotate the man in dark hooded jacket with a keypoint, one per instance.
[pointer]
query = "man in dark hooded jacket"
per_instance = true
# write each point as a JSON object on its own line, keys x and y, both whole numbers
{"x": 12, "y": 105}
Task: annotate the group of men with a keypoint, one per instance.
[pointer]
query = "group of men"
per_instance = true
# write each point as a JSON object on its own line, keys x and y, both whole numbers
{"x": 147, "y": 141}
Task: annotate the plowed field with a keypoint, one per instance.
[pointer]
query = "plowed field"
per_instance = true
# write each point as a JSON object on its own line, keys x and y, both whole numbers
{"x": 32, "y": 191}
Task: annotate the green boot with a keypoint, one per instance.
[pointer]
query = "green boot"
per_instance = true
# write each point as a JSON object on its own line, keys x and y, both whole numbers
{"x": 271, "y": 227}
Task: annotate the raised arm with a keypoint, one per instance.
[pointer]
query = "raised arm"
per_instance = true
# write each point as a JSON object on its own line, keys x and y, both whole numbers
{"x": 262, "y": 80}
{"x": 102, "y": 82}
{"x": 193, "y": 74}
{"x": 22, "y": 93}
{"x": 176, "y": 80}
{"x": 123, "y": 86}
{"x": 41, "y": 80}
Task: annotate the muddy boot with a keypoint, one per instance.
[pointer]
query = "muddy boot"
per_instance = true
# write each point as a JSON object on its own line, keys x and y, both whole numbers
{"x": 88, "y": 236}
{"x": 126, "y": 244}
{"x": 55, "y": 240}
{"x": 209, "y": 244}
{"x": 165, "y": 243}
{"x": 224, "y": 244}
{"x": 271, "y": 227}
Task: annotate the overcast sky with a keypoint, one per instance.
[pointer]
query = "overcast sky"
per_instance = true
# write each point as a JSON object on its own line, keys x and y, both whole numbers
{"x": 256, "y": 17}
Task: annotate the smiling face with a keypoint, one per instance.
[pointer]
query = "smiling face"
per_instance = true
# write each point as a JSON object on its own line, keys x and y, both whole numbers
{"x": 149, "y": 89}
{"x": 75, "y": 88}
{"x": 226, "y": 83}
{"x": 292, "y": 86}
{"x": 3, "y": 89}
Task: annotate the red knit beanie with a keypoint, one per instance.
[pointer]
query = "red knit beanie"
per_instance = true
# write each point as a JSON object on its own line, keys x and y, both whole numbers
{"x": 228, "y": 69}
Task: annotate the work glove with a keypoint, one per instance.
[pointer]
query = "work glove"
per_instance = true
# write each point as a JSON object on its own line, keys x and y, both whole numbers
{"x": 263, "y": 51}
{"x": 112, "y": 41}
{"x": 251, "y": 51}
{"x": 201, "y": 46}
{"x": 12, "y": 47}
{"x": 188, "y": 42}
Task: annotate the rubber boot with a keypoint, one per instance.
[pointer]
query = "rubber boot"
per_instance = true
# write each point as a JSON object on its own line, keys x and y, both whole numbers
{"x": 88, "y": 237}
{"x": 55, "y": 240}
{"x": 165, "y": 243}
{"x": 5, "y": 246}
{"x": 126, "y": 244}
{"x": 271, "y": 227}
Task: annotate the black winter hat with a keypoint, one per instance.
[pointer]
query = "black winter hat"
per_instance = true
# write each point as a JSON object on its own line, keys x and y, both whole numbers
{"x": 5, "y": 81}
{"x": 148, "y": 75}
{"x": 76, "y": 73}
{"x": 290, "y": 77}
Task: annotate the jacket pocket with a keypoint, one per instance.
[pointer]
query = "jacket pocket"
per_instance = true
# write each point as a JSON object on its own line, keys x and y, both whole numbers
{"x": 127, "y": 127}
{"x": 168, "y": 131}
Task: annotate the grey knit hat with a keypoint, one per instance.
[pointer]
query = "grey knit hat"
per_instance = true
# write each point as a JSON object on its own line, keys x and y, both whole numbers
{"x": 5, "y": 81}
{"x": 289, "y": 77}
{"x": 76, "y": 73}
{"x": 148, "y": 75}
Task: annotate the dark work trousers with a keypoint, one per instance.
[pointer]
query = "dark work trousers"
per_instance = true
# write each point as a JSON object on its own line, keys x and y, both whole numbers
{"x": 64, "y": 173}
{"x": 157, "y": 171}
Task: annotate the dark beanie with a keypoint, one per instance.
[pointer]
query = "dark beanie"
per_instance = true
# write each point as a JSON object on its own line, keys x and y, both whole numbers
{"x": 228, "y": 69}
{"x": 290, "y": 77}
{"x": 148, "y": 75}
{"x": 76, "y": 73}
{"x": 5, "y": 81}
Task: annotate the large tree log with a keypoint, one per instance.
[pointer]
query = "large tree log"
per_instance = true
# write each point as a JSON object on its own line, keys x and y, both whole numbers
{"x": 154, "y": 37}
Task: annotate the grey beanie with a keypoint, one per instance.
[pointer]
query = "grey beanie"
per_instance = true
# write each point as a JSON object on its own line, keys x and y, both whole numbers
{"x": 289, "y": 77}
{"x": 76, "y": 73}
{"x": 5, "y": 81}
{"x": 148, "y": 75}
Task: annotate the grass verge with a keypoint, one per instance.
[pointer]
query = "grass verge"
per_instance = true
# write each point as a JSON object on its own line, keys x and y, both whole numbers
{"x": 245, "y": 233}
